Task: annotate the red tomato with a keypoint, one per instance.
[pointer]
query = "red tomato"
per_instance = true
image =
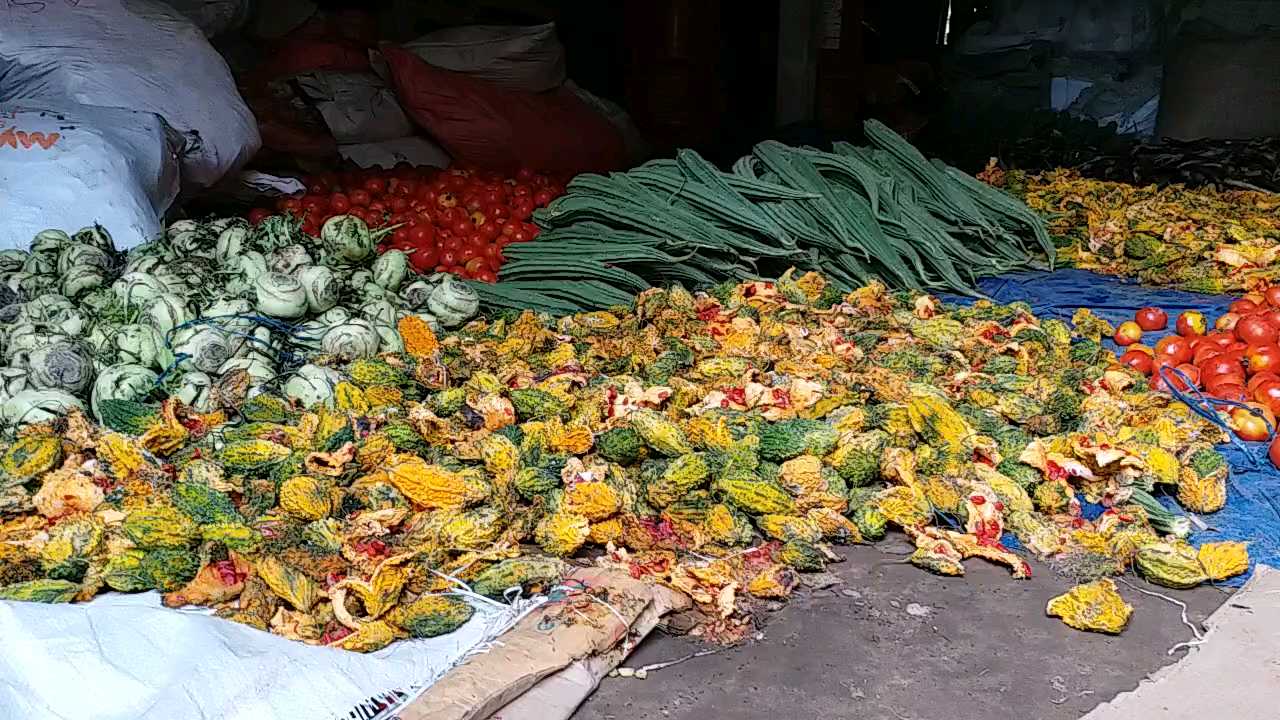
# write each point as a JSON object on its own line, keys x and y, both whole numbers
{"x": 1255, "y": 330}
{"x": 375, "y": 186}
{"x": 497, "y": 210}
{"x": 1220, "y": 365}
{"x": 1267, "y": 393}
{"x": 486, "y": 276}
{"x": 1228, "y": 391}
{"x": 522, "y": 208}
{"x": 542, "y": 198}
{"x": 457, "y": 270}
{"x": 490, "y": 231}
{"x": 1175, "y": 347}
{"x": 1260, "y": 378}
{"x": 1263, "y": 358}
{"x": 401, "y": 237}
{"x": 462, "y": 227}
{"x": 1137, "y": 360}
{"x": 1226, "y": 322}
{"x": 291, "y": 205}
{"x": 1191, "y": 322}
{"x": 468, "y": 253}
{"x": 1204, "y": 352}
{"x": 1253, "y": 424}
{"x": 475, "y": 265}
{"x": 422, "y": 235}
{"x": 1213, "y": 383}
{"x": 1273, "y": 452}
{"x": 423, "y": 259}
{"x": 257, "y": 215}
{"x": 1150, "y": 318}
{"x": 1242, "y": 307}
{"x": 1271, "y": 315}
{"x": 1127, "y": 334}
{"x": 398, "y": 204}
{"x": 360, "y": 198}
{"x": 525, "y": 174}
{"x": 492, "y": 196}
{"x": 1221, "y": 339}
{"x": 449, "y": 258}
{"x": 405, "y": 189}
{"x": 521, "y": 235}
{"x": 377, "y": 206}
{"x": 1272, "y": 295}
{"x": 339, "y": 203}
{"x": 314, "y": 204}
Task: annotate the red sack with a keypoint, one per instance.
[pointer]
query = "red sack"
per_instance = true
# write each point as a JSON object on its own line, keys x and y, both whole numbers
{"x": 302, "y": 55}
{"x": 489, "y": 127}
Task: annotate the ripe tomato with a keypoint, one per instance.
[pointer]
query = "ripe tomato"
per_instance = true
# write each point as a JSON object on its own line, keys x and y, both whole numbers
{"x": 542, "y": 198}
{"x": 1190, "y": 323}
{"x": 469, "y": 253}
{"x": 457, "y": 270}
{"x": 1226, "y": 322}
{"x": 1204, "y": 352}
{"x": 1150, "y": 318}
{"x": 291, "y": 205}
{"x": 522, "y": 208}
{"x": 423, "y": 259}
{"x": 1254, "y": 423}
{"x": 1242, "y": 307}
{"x": 401, "y": 237}
{"x": 360, "y": 198}
{"x": 1229, "y": 391}
{"x": 378, "y": 206}
{"x": 1137, "y": 360}
{"x": 339, "y": 203}
{"x": 375, "y": 186}
{"x": 1260, "y": 378}
{"x": 257, "y": 215}
{"x": 1273, "y": 452}
{"x": 1263, "y": 358}
{"x": 314, "y": 204}
{"x": 405, "y": 188}
{"x": 1267, "y": 393}
{"x": 492, "y": 196}
{"x": 475, "y": 265}
{"x": 398, "y": 204}
{"x": 1255, "y": 330}
{"x": 486, "y": 276}
{"x": 497, "y": 210}
{"x": 522, "y": 235}
{"x": 490, "y": 231}
{"x": 422, "y": 235}
{"x": 1175, "y": 347}
{"x": 1272, "y": 294}
{"x": 449, "y": 258}
{"x": 1220, "y": 365}
{"x": 462, "y": 228}
{"x": 525, "y": 174}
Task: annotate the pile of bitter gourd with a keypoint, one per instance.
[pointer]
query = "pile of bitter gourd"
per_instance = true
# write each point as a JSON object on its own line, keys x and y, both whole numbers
{"x": 882, "y": 212}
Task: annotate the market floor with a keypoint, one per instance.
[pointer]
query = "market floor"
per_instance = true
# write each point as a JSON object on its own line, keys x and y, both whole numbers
{"x": 893, "y": 642}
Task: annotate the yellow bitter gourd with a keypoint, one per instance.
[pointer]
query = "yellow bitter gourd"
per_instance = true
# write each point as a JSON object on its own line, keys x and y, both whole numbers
{"x": 349, "y": 398}
{"x": 305, "y": 498}
{"x": 594, "y": 500}
{"x": 685, "y": 473}
{"x": 31, "y": 456}
{"x": 605, "y": 531}
{"x": 1171, "y": 564}
{"x": 501, "y": 457}
{"x": 369, "y": 373}
{"x": 160, "y": 526}
{"x": 756, "y": 496}
{"x": 1222, "y": 560}
{"x": 789, "y": 527}
{"x": 660, "y": 433}
{"x": 562, "y": 533}
{"x": 938, "y": 424}
{"x": 370, "y": 637}
{"x": 248, "y": 455}
{"x": 434, "y": 487}
{"x": 289, "y": 583}
{"x": 1095, "y": 606}
{"x": 122, "y": 458}
{"x": 430, "y": 616}
{"x": 834, "y": 526}
{"x": 802, "y": 476}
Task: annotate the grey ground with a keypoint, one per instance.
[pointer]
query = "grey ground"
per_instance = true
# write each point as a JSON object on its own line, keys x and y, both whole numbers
{"x": 977, "y": 647}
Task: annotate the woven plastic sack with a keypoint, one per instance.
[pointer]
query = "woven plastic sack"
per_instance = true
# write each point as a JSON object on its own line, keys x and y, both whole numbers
{"x": 131, "y": 54}
{"x": 72, "y": 167}
{"x": 517, "y": 58}
{"x": 486, "y": 126}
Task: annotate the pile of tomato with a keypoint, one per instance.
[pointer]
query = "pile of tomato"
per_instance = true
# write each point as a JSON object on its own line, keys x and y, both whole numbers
{"x": 454, "y": 220}
{"x": 1238, "y": 360}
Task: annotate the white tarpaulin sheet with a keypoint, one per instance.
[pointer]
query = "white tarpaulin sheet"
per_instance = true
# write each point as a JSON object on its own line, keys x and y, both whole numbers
{"x": 126, "y": 657}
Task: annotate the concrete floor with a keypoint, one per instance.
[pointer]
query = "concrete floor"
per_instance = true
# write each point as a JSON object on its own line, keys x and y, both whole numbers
{"x": 973, "y": 648}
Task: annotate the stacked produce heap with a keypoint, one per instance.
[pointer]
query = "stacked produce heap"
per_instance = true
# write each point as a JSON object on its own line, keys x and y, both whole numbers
{"x": 713, "y": 442}
{"x": 1200, "y": 240}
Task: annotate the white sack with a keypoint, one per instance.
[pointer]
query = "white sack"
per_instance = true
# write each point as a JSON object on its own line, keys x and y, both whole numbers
{"x": 417, "y": 151}
{"x": 132, "y": 54}
{"x": 73, "y": 167}
{"x": 357, "y": 107}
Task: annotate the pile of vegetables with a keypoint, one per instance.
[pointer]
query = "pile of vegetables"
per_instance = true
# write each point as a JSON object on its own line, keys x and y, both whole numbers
{"x": 712, "y": 442}
{"x": 882, "y": 213}
{"x": 1200, "y": 240}
{"x": 456, "y": 221}
{"x": 212, "y": 307}
{"x": 1237, "y": 364}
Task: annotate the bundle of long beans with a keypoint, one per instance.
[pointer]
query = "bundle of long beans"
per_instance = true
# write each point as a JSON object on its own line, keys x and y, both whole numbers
{"x": 857, "y": 214}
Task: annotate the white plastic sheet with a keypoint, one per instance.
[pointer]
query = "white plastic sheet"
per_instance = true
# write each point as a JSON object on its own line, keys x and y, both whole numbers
{"x": 126, "y": 657}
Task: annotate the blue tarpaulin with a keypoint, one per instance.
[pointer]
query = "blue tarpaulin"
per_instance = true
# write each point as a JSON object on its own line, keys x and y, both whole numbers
{"x": 1252, "y": 512}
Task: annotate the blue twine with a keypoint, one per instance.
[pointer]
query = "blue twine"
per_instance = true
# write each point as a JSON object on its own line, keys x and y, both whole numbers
{"x": 1009, "y": 540}
{"x": 1088, "y": 510}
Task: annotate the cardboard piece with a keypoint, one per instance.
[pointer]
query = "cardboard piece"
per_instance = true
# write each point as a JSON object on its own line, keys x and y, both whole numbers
{"x": 555, "y": 655}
